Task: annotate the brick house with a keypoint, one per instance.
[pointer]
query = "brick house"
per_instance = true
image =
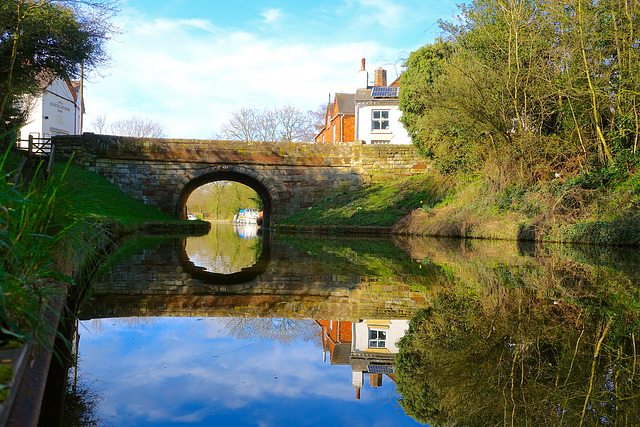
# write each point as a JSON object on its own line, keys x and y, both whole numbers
{"x": 371, "y": 115}
{"x": 339, "y": 122}
{"x": 368, "y": 346}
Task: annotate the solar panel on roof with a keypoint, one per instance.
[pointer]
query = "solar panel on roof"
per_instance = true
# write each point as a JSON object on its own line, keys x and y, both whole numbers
{"x": 384, "y": 91}
{"x": 380, "y": 369}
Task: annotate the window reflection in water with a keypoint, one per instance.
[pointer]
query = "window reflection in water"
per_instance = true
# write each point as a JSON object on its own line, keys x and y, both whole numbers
{"x": 226, "y": 249}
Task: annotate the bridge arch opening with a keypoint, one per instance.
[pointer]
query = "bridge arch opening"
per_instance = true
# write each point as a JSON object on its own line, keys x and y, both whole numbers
{"x": 231, "y": 174}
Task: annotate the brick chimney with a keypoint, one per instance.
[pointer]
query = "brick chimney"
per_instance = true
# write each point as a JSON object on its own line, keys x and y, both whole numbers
{"x": 375, "y": 380}
{"x": 380, "y": 77}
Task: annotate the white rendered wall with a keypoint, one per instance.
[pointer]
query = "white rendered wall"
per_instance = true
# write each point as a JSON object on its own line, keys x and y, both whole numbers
{"x": 34, "y": 123}
{"x": 396, "y": 134}
{"x": 54, "y": 113}
{"x": 395, "y": 330}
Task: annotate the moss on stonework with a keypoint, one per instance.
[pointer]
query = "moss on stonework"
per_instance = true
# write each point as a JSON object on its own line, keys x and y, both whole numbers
{"x": 11, "y": 344}
{"x": 6, "y": 374}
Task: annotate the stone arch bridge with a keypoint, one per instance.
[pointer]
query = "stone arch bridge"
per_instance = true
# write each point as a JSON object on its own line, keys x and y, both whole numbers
{"x": 288, "y": 177}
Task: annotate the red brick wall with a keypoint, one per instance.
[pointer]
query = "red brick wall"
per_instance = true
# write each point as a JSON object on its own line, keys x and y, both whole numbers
{"x": 344, "y": 126}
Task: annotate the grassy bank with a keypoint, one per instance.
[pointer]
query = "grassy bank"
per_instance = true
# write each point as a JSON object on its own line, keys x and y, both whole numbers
{"x": 381, "y": 205}
{"x": 599, "y": 207}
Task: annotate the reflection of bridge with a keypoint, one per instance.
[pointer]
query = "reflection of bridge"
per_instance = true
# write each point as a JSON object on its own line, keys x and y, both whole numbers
{"x": 288, "y": 177}
{"x": 284, "y": 283}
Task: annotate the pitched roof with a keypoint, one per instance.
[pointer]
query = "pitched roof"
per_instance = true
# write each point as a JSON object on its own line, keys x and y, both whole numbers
{"x": 363, "y": 96}
{"x": 47, "y": 78}
{"x": 346, "y": 103}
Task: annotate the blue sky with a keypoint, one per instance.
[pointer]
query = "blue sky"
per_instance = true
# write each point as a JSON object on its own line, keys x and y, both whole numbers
{"x": 189, "y": 64}
{"x": 193, "y": 372}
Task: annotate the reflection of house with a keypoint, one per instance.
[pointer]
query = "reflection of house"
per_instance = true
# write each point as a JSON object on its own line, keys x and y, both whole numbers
{"x": 371, "y": 115}
{"x": 368, "y": 346}
{"x": 55, "y": 111}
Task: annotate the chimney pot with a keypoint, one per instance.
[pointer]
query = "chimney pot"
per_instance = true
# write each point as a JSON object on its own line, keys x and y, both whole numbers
{"x": 363, "y": 68}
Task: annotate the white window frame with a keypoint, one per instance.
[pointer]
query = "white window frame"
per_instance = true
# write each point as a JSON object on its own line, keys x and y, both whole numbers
{"x": 377, "y": 337}
{"x": 378, "y": 123}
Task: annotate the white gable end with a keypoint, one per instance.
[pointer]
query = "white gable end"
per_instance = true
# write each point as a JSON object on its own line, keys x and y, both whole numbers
{"x": 60, "y": 88}
{"x": 55, "y": 112}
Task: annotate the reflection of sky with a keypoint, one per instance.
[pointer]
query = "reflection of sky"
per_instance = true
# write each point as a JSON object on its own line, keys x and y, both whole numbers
{"x": 188, "y": 371}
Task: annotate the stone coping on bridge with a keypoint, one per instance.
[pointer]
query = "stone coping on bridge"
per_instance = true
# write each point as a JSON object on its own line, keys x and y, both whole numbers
{"x": 195, "y": 150}
{"x": 339, "y": 154}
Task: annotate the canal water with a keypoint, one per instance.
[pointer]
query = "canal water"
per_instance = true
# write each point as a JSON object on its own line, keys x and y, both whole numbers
{"x": 246, "y": 327}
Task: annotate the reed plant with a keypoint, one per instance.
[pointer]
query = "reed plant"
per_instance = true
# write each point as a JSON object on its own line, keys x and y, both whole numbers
{"x": 29, "y": 280}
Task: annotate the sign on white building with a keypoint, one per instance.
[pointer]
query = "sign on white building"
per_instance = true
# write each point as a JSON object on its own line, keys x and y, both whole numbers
{"x": 56, "y": 111}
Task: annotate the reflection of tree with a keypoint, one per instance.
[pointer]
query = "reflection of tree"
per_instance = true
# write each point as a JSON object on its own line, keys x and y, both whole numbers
{"x": 222, "y": 251}
{"x": 286, "y": 331}
{"x": 97, "y": 325}
{"x": 523, "y": 361}
{"x": 81, "y": 402}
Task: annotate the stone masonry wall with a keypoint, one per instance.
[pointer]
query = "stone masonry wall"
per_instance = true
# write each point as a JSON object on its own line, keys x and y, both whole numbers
{"x": 155, "y": 283}
{"x": 294, "y": 175}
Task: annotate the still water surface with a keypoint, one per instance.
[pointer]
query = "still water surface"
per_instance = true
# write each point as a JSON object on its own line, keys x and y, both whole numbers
{"x": 261, "y": 329}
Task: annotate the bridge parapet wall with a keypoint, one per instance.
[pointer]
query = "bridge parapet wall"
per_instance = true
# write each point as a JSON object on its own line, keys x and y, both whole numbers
{"x": 90, "y": 146}
{"x": 295, "y": 175}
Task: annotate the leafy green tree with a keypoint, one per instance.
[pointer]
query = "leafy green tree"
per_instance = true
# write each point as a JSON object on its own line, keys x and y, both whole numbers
{"x": 42, "y": 39}
{"x": 529, "y": 88}
{"x": 424, "y": 68}
{"x": 221, "y": 200}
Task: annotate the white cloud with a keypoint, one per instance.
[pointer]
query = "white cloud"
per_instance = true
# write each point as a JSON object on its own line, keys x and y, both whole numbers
{"x": 190, "y": 74}
{"x": 272, "y": 15}
{"x": 382, "y": 12}
{"x": 194, "y": 370}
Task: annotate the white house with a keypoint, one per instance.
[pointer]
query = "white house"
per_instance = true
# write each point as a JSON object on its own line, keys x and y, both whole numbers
{"x": 373, "y": 348}
{"x": 377, "y": 112}
{"x": 379, "y": 336}
{"x": 55, "y": 111}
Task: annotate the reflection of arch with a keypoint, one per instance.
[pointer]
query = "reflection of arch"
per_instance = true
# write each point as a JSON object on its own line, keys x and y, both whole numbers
{"x": 265, "y": 189}
{"x": 245, "y": 275}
